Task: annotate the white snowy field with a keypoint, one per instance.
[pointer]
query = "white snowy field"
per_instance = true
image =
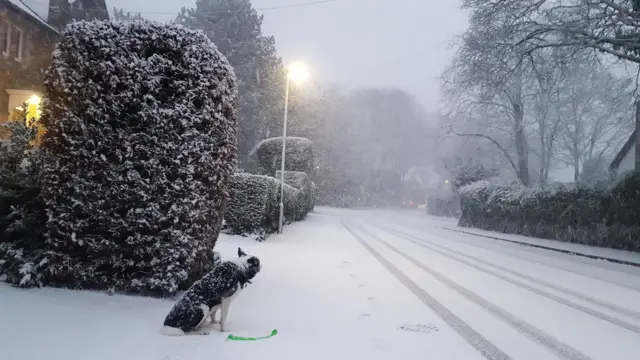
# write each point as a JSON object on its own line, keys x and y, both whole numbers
{"x": 342, "y": 285}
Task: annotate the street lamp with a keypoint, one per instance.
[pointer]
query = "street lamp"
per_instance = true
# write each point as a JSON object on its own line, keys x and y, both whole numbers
{"x": 298, "y": 73}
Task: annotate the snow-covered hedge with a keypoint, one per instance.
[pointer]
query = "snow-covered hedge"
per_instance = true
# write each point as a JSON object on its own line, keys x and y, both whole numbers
{"x": 301, "y": 181}
{"x": 443, "y": 204}
{"x": 298, "y": 155}
{"x": 139, "y": 149}
{"x": 598, "y": 216}
{"x": 254, "y": 205}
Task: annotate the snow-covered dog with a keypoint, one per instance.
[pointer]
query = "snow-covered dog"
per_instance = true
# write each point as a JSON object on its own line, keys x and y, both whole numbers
{"x": 215, "y": 291}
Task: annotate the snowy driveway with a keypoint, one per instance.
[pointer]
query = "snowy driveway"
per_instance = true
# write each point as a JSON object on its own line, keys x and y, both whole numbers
{"x": 361, "y": 284}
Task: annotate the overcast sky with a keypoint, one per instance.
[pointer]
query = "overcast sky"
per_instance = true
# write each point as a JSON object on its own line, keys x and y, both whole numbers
{"x": 399, "y": 43}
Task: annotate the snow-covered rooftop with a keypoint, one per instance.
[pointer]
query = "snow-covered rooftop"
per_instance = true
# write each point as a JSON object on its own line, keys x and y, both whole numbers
{"x": 38, "y": 9}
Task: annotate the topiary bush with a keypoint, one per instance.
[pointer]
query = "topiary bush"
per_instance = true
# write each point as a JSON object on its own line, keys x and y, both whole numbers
{"x": 298, "y": 155}
{"x": 254, "y": 205}
{"x": 595, "y": 215}
{"x": 301, "y": 181}
{"x": 139, "y": 149}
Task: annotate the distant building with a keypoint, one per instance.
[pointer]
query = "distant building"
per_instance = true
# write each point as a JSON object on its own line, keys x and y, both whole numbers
{"x": 625, "y": 160}
{"x": 29, "y": 30}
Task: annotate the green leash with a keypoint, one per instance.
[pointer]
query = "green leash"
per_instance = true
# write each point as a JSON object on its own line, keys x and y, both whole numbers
{"x": 241, "y": 338}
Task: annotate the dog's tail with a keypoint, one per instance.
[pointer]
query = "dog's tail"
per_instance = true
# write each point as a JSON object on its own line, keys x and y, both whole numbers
{"x": 171, "y": 331}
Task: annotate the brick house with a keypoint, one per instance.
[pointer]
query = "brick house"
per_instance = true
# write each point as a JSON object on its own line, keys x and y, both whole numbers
{"x": 29, "y": 30}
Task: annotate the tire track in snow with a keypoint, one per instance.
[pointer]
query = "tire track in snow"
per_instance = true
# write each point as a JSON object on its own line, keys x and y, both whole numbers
{"x": 554, "y": 266}
{"x": 551, "y": 343}
{"x": 488, "y": 350}
{"x": 433, "y": 247}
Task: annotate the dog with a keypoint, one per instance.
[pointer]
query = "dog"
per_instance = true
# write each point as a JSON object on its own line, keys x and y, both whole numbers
{"x": 215, "y": 291}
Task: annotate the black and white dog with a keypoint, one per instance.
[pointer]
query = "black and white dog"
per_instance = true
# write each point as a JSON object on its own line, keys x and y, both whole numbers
{"x": 215, "y": 291}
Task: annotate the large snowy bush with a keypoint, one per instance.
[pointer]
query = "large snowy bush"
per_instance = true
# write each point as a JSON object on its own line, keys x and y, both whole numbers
{"x": 254, "y": 205}
{"x": 595, "y": 215}
{"x": 298, "y": 155}
{"x": 301, "y": 181}
{"x": 139, "y": 149}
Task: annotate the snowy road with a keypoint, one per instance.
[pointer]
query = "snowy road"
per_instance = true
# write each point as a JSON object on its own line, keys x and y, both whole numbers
{"x": 352, "y": 284}
{"x": 508, "y": 301}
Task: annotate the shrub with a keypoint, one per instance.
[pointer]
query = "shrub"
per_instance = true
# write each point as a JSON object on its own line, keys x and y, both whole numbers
{"x": 298, "y": 155}
{"x": 598, "y": 216}
{"x": 254, "y": 205}
{"x": 22, "y": 213}
{"x": 300, "y": 181}
{"x": 468, "y": 174}
{"x": 443, "y": 205}
{"x": 139, "y": 149}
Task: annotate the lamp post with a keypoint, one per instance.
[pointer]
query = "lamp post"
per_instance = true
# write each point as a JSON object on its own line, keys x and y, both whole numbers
{"x": 298, "y": 73}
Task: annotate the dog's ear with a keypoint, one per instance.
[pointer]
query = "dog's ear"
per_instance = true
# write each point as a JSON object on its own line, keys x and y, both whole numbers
{"x": 241, "y": 253}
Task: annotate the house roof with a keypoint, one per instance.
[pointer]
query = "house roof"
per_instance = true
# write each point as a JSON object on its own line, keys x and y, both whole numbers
{"x": 628, "y": 146}
{"x": 38, "y": 10}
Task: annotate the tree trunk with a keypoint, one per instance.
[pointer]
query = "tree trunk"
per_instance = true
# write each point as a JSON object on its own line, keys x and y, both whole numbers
{"x": 543, "y": 156}
{"x": 637, "y": 147}
{"x": 521, "y": 145}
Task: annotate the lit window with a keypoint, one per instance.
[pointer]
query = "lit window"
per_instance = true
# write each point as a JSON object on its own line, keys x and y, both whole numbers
{"x": 31, "y": 113}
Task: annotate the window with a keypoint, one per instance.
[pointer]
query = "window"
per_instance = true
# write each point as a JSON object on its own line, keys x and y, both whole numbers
{"x": 16, "y": 43}
{"x": 5, "y": 29}
{"x": 11, "y": 41}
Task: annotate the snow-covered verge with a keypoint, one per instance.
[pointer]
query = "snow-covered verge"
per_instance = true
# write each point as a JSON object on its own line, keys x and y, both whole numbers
{"x": 597, "y": 216}
{"x": 327, "y": 298}
{"x": 589, "y": 251}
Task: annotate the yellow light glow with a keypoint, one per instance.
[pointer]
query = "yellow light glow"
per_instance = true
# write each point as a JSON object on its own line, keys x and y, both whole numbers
{"x": 298, "y": 72}
{"x": 34, "y": 100}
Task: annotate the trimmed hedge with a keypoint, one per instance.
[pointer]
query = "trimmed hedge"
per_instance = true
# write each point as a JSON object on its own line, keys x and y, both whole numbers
{"x": 298, "y": 155}
{"x": 136, "y": 160}
{"x": 596, "y": 216}
{"x": 254, "y": 205}
{"x": 443, "y": 205}
{"x": 301, "y": 181}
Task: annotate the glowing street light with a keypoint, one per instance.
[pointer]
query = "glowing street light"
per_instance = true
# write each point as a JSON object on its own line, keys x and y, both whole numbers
{"x": 298, "y": 73}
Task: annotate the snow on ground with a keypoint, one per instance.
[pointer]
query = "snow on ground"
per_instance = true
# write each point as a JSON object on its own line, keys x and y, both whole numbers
{"x": 577, "y": 248}
{"x": 324, "y": 293}
{"x": 343, "y": 293}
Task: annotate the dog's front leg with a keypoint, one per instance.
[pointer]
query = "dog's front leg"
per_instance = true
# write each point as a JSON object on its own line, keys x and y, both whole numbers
{"x": 224, "y": 309}
{"x": 213, "y": 314}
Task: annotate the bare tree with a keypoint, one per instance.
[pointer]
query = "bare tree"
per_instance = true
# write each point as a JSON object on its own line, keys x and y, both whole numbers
{"x": 488, "y": 80}
{"x": 545, "y": 121}
{"x": 595, "y": 107}
{"x": 608, "y": 26}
